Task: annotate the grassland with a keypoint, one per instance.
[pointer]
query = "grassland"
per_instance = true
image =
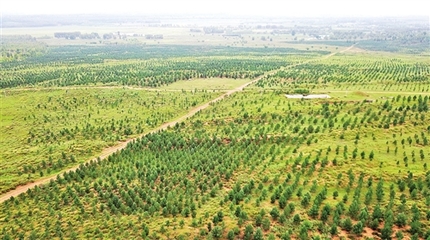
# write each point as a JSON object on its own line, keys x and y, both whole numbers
{"x": 217, "y": 84}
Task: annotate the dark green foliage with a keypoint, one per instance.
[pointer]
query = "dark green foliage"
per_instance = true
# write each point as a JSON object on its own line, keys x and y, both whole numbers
{"x": 296, "y": 219}
{"x": 258, "y": 234}
{"x": 249, "y": 231}
{"x": 274, "y": 213}
{"x": 358, "y": 228}
{"x": 230, "y": 235}
{"x": 266, "y": 224}
{"x": 216, "y": 232}
{"x": 347, "y": 224}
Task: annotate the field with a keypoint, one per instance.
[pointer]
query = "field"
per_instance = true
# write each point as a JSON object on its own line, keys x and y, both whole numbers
{"x": 217, "y": 84}
{"x": 209, "y": 146}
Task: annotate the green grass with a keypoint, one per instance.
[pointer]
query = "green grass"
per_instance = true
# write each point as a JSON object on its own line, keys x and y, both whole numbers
{"x": 219, "y": 84}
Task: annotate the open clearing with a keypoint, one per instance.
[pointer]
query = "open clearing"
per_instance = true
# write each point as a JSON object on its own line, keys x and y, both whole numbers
{"x": 215, "y": 84}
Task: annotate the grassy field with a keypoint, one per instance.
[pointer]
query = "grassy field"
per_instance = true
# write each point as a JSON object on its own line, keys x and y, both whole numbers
{"x": 217, "y": 84}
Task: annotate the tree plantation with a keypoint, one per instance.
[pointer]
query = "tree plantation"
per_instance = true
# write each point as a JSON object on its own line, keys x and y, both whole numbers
{"x": 51, "y": 130}
{"x": 171, "y": 141}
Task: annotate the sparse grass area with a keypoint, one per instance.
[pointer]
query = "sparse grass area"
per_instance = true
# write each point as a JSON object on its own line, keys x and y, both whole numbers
{"x": 215, "y": 84}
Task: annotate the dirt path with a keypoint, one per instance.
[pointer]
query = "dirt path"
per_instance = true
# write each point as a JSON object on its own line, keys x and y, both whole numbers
{"x": 108, "y": 151}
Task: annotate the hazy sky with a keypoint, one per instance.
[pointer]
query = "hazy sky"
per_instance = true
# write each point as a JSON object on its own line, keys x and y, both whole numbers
{"x": 237, "y": 7}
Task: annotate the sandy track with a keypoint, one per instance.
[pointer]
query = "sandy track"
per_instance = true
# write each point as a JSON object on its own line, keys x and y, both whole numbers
{"x": 108, "y": 151}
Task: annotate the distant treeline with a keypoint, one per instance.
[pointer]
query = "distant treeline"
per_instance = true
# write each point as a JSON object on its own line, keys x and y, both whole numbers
{"x": 209, "y": 30}
{"x": 75, "y": 35}
{"x": 18, "y": 39}
{"x": 156, "y": 36}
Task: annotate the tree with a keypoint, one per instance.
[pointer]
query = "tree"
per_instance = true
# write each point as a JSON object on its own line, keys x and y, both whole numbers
{"x": 230, "y": 235}
{"x": 402, "y": 185}
{"x": 217, "y": 232}
{"x": 364, "y": 214}
{"x": 7, "y": 237}
{"x": 347, "y": 224}
{"x": 371, "y": 155}
{"x": 274, "y": 213}
{"x": 258, "y": 234}
{"x": 325, "y": 213}
{"x": 377, "y": 212}
{"x": 335, "y": 194}
{"x": 354, "y": 208}
{"x": 374, "y": 224}
{"x": 386, "y": 231}
{"x": 258, "y": 220}
{"x": 399, "y": 235}
{"x": 333, "y": 229}
{"x": 286, "y": 236}
{"x": 401, "y": 220}
{"x": 415, "y": 227}
{"x": 296, "y": 219}
{"x": 266, "y": 224}
{"x": 282, "y": 202}
{"x": 209, "y": 226}
{"x": 380, "y": 191}
{"x": 271, "y": 237}
{"x": 249, "y": 231}
{"x": 304, "y": 228}
{"x": 358, "y": 228}
{"x": 306, "y": 200}
{"x": 314, "y": 211}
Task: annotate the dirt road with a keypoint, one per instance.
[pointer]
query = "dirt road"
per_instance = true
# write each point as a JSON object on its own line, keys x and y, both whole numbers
{"x": 108, "y": 151}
